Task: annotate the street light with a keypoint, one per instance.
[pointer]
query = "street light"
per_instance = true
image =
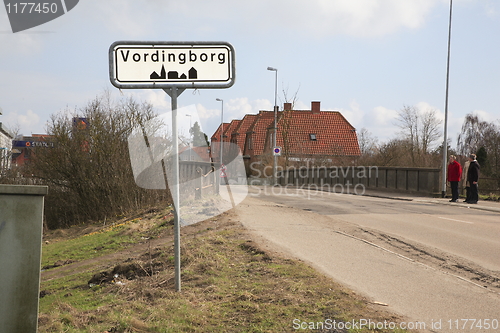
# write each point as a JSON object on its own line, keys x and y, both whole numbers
{"x": 275, "y": 123}
{"x": 221, "y": 127}
{"x": 445, "y": 140}
{"x": 190, "y": 137}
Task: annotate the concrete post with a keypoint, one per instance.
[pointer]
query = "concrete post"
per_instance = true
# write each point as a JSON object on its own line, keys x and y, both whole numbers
{"x": 21, "y": 219}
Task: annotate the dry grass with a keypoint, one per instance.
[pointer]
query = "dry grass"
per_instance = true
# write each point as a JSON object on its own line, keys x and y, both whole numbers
{"x": 229, "y": 284}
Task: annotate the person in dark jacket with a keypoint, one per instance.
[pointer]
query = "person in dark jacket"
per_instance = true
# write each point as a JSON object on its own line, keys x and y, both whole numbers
{"x": 472, "y": 178}
{"x": 454, "y": 174}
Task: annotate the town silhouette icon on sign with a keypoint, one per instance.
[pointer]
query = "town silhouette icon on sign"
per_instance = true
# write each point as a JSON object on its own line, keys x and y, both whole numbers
{"x": 174, "y": 75}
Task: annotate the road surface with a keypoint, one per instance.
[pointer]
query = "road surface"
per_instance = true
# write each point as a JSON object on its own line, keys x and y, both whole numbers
{"x": 436, "y": 264}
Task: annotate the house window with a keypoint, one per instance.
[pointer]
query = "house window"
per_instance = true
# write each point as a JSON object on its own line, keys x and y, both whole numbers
{"x": 312, "y": 137}
{"x": 250, "y": 142}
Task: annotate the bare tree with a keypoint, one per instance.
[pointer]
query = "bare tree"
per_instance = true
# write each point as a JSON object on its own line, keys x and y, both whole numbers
{"x": 367, "y": 142}
{"x": 430, "y": 130}
{"x": 473, "y": 134}
{"x": 421, "y": 129}
{"x": 368, "y": 146}
{"x": 88, "y": 170}
{"x": 477, "y": 134}
{"x": 286, "y": 117}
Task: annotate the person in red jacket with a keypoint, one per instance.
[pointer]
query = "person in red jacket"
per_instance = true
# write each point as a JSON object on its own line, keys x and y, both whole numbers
{"x": 454, "y": 175}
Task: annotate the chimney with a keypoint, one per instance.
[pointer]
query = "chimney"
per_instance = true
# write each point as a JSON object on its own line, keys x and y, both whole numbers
{"x": 287, "y": 106}
{"x": 315, "y": 107}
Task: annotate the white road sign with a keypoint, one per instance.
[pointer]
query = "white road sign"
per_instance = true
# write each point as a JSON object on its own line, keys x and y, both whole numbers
{"x": 277, "y": 151}
{"x": 147, "y": 65}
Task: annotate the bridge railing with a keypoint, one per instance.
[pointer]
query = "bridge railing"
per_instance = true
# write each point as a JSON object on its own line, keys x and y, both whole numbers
{"x": 422, "y": 180}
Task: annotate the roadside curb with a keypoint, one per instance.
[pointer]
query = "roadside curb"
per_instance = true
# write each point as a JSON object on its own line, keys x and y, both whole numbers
{"x": 464, "y": 205}
{"x": 397, "y": 196}
{"x": 435, "y": 201}
{"x": 385, "y": 197}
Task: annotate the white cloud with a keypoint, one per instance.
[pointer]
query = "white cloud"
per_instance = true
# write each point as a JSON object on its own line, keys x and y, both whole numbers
{"x": 379, "y": 122}
{"x": 348, "y": 17}
{"x": 486, "y": 116}
{"x": 492, "y": 9}
{"x": 209, "y": 119}
{"x": 299, "y": 105}
{"x": 383, "y": 116}
{"x": 354, "y": 115}
{"x": 25, "y": 43}
{"x": 317, "y": 17}
{"x": 205, "y": 113}
{"x": 158, "y": 98}
{"x": 425, "y": 107}
{"x": 131, "y": 19}
{"x": 30, "y": 121}
{"x": 237, "y": 108}
{"x": 368, "y": 17}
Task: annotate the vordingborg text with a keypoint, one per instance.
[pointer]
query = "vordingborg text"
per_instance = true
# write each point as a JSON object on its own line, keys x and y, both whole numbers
{"x": 173, "y": 57}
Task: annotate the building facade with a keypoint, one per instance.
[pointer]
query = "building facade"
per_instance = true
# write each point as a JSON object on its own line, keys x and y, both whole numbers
{"x": 22, "y": 148}
{"x": 310, "y": 136}
{"x": 5, "y": 148}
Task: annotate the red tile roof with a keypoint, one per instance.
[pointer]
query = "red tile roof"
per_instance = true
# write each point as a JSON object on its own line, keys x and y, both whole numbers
{"x": 228, "y": 130}
{"x": 258, "y": 132}
{"x": 334, "y": 135}
{"x": 239, "y": 135}
{"x": 216, "y": 135}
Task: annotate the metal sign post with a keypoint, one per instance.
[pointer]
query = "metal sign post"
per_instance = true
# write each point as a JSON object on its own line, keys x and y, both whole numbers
{"x": 173, "y": 67}
{"x": 174, "y": 92}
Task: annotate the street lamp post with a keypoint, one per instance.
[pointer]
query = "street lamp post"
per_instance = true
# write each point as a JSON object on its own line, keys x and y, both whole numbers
{"x": 221, "y": 128}
{"x": 275, "y": 121}
{"x": 445, "y": 140}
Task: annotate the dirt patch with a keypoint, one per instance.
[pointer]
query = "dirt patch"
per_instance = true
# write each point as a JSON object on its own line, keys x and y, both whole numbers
{"x": 128, "y": 271}
{"x": 149, "y": 247}
{"x": 254, "y": 249}
{"x": 58, "y": 263}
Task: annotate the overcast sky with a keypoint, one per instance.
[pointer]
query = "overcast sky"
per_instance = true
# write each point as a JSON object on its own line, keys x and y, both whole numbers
{"x": 364, "y": 58}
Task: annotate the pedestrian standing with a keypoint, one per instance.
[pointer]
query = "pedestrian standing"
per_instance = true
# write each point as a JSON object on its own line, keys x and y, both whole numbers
{"x": 454, "y": 175}
{"x": 472, "y": 178}
{"x": 465, "y": 182}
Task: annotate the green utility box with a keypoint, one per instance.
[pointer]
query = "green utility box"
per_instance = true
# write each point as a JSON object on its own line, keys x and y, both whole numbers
{"x": 21, "y": 219}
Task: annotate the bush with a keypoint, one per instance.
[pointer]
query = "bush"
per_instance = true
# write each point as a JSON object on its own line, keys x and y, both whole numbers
{"x": 88, "y": 171}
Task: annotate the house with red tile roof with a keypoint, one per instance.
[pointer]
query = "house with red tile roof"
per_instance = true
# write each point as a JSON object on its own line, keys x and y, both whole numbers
{"x": 228, "y": 129}
{"x": 239, "y": 135}
{"x": 318, "y": 137}
{"x": 316, "y": 134}
{"x": 257, "y": 135}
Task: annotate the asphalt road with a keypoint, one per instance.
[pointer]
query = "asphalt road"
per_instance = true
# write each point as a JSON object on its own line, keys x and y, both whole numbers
{"x": 436, "y": 264}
